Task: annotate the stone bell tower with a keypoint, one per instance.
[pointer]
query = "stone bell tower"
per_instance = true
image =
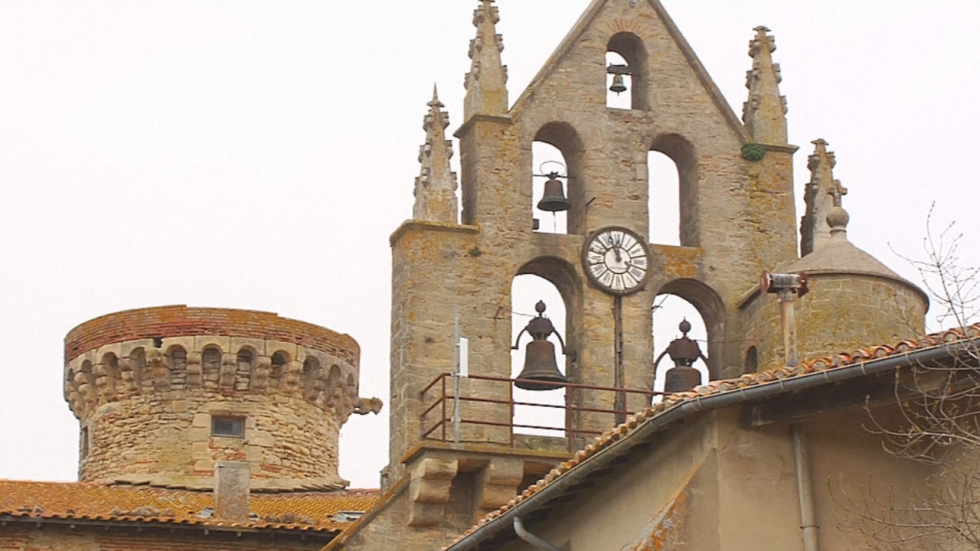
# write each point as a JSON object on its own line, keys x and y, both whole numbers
{"x": 736, "y": 211}
{"x": 737, "y": 218}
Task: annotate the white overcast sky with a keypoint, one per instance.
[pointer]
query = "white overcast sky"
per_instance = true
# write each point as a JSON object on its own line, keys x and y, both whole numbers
{"x": 258, "y": 154}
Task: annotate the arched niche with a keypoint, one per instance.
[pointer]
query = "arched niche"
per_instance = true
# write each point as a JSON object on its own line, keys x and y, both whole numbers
{"x": 244, "y": 366}
{"x": 626, "y": 48}
{"x": 312, "y": 382}
{"x": 558, "y": 142}
{"x": 672, "y": 169}
{"x": 553, "y": 281}
{"x": 278, "y": 362}
{"x": 176, "y": 357}
{"x": 137, "y": 362}
{"x": 211, "y": 365}
{"x": 707, "y": 305}
{"x": 751, "y": 364}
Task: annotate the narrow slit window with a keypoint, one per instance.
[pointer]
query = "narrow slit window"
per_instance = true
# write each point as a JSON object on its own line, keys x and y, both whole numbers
{"x": 85, "y": 442}
{"x": 228, "y": 426}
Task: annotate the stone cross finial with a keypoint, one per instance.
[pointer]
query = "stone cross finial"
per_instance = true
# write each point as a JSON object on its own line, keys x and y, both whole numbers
{"x": 837, "y": 191}
{"x": 435, "y": 187}
{"x": 765, "y": 111}
{"x": 486, "y": 83}
{"x": 823, "y": 199}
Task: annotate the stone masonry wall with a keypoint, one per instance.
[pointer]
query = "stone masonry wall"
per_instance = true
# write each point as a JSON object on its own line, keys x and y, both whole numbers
{"x": 840, "y": 313}
{"x": 146, "y": 405}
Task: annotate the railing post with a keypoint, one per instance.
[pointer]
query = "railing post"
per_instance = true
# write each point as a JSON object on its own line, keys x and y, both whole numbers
{"x": 568, "y": 418}
{"x": 443, "y": 421}
{"x": 510, "y": 398}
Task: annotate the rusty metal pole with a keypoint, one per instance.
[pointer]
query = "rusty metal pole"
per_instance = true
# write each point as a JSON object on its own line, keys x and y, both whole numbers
{"x": 620, "y": 401}
{"x": 443, "y": 420}
{"x": 510, "y": 398}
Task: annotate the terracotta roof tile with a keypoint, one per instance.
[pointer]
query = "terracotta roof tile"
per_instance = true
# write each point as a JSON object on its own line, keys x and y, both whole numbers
{"x": 727, "y": 385}
{"x": 306, "y": 511}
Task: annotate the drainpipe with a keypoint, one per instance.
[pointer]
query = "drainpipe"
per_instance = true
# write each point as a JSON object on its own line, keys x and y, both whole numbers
{"x": 808, "y": 517}
{"x": 531, "y": 538}
{"x": 787, "y": 287}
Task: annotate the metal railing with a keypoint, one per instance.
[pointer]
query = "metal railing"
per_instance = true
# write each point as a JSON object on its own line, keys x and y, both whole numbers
{"x": 446, "y": 402}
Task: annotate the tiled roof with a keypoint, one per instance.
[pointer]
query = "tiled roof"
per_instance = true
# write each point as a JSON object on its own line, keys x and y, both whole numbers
{"x": 304, "y": 511}
{"x": 729, "y": 385}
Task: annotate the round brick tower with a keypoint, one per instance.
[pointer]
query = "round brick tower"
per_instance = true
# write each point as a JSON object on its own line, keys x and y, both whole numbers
{"x": 162, "y": 394}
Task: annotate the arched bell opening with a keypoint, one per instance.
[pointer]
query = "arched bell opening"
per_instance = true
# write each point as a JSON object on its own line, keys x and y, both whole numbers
{"x": 556, "y": 193}
{"x": 688, "y": 323}
{"x": 672, "y": 176}
{"x": 544, "y": 289}
{"x": 664, "y": 186}
{"x": 534, "y": 298}
{"x": 626, "y": 72}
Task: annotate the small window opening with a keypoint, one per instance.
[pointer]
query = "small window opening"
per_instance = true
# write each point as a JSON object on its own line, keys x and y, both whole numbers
{"x": 619, "y": 82}
{"x": 751, "y": 360}
{"x": 228, "y": 426}
{"x": 85, "y": 442}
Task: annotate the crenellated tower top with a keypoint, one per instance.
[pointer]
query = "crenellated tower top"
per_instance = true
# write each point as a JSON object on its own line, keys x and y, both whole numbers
{"x": 765, "y": 111}
{"x": 435, "y": 187}
{"x": 486, "y": 83}
{"x": 822, "y": 194}
{"x": 163, "y": 394}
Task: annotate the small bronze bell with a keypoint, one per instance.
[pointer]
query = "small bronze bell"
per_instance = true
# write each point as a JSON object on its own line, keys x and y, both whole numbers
{"x": 540, "y": 364}
{"x": 684, "y": 351}
{"x": 554, "y": 199}
{"x": 618, "y": 84}
{"x": 681, "y": 378}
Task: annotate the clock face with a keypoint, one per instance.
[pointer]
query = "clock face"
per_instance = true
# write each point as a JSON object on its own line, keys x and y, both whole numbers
{"x": 616, "y": 260}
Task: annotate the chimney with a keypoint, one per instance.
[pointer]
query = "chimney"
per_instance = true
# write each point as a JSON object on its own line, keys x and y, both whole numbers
{"x": 231, "y": 492}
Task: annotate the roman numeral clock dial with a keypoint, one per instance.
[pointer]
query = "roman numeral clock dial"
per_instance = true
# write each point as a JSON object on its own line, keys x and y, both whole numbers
{"x": 616, "y": 260}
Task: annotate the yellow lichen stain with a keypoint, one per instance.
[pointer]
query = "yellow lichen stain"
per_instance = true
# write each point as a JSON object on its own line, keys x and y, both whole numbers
{"x": 665, "y": 533}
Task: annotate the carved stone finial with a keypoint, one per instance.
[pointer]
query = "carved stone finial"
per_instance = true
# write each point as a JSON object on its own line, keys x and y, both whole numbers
{"x": 435, "y": 187}
{"x": 765, "y": 111}
{"x": 837, "y": 191}
{"x": 824, "y": 214}
{"x": 486, "y": 83}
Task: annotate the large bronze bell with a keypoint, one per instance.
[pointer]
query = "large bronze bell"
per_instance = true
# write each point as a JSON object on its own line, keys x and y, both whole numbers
{"x": 618, "y": 84}
{"x": 540, "y": 366}
{"x": 554, "y": 199}
{"x": 540, "y": 363}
